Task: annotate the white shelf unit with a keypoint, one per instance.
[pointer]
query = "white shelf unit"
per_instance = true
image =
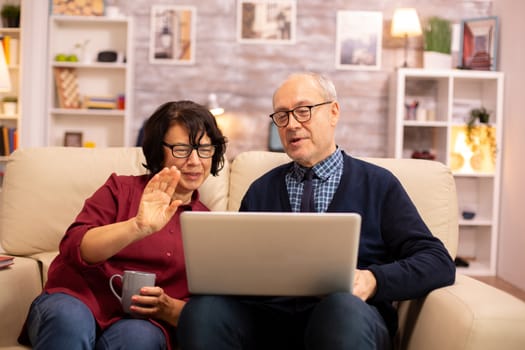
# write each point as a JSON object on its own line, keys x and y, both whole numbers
{"x": 99, "y": 127}
{"x": 15, "y": 72}
{"x": 445, "y": 99}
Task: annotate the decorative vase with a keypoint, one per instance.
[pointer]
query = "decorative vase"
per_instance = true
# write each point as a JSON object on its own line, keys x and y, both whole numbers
{"x": 436, "y": 60}
{"x": 11, "y": 22}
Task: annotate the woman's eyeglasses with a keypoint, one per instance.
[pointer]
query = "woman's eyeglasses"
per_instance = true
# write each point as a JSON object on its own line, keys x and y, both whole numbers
{"x": 181, "y": 150}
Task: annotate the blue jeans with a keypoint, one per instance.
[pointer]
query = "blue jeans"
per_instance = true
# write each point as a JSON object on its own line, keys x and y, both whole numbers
{"x": 338, "y": 321}
{"x": 60, "y": 321}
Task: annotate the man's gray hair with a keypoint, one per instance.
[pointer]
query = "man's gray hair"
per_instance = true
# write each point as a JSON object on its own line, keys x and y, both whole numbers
{"x": 326, "y": 85}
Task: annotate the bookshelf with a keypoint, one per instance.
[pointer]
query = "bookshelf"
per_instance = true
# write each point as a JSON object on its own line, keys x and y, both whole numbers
{"x": 86, "y": 95}
{"x": 437, "y": 129}
{"x": 10, "y": 112}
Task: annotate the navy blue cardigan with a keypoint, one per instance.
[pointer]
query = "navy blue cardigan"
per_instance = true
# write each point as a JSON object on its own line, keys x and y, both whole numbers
{"x": 395, "y": 244}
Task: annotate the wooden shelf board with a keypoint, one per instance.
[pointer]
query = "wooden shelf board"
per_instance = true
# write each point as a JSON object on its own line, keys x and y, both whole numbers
{"x": 83, "y": 112}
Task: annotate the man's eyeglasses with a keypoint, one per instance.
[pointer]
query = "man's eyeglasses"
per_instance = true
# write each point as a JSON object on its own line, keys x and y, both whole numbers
{"x": 302, "y": 114}
{"x": 181, "y": 150}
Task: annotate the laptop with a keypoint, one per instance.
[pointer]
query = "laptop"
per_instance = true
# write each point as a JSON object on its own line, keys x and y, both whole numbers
{"x": 270, "y": 253}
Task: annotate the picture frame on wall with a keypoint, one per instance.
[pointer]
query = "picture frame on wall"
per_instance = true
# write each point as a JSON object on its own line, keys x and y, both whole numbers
{"x": 359, "y": 40}
{"x": 78, "y": 7}
{"x": 479, "y": 42}
{"x": 266, "y": 21}
{"x": 172, "y": 34}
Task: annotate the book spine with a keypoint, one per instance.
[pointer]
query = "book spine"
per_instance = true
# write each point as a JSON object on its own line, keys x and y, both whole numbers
{"x": 5, "y": 135}
{"x": 2, "y": 148}
{"x": 11, "y": 134}
{"x": 15, "y": 139}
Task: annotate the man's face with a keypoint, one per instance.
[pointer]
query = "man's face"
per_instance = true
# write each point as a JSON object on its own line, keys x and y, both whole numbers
{"x": 310, "y": 142}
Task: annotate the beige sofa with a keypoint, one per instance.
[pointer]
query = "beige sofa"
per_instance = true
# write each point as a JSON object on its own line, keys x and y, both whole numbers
{"x": 44, "y": 188}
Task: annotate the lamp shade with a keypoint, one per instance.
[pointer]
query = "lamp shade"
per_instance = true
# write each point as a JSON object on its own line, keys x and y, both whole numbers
{"x": 5, "y": 80}
{"x": 405, "y": 22}
{"x": 214, "y": 106}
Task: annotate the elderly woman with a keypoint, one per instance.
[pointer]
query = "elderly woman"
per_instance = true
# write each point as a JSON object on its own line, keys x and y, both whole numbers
{"x": 130, "y": 223}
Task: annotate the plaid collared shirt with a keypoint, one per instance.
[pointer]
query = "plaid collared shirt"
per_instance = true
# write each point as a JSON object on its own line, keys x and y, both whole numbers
{"x": 326, "y": 179}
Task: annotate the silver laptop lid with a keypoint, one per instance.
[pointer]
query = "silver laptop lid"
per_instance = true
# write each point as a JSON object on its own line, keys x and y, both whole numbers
{"x": 256, "y": 253}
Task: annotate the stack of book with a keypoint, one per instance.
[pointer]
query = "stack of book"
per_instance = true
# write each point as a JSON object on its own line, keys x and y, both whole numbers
{"x": 100, "y": 102}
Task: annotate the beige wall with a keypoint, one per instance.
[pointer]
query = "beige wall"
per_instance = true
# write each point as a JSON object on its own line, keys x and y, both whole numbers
{"x": 511, "y": 257}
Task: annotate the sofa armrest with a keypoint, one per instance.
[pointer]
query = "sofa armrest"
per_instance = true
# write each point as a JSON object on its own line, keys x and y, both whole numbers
{"x": 21, "y": 283}
{"x": 467, "y": 315}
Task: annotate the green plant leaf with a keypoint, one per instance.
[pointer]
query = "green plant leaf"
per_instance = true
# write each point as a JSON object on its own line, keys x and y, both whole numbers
{"x": 437, "y": 35}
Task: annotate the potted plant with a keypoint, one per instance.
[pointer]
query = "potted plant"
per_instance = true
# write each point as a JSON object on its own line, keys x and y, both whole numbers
{"x": 479, "y": 133}
{"x": 9, "y": 104}
{"x": 10, "y": 15}
{"x": 437, "y": 34}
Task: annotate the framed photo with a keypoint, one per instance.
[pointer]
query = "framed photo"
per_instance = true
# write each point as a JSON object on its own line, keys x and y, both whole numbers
{"x": 172, "y": 34}
{"x": 73, "y": 139}
{"x": 77, "y": 7}
{"x": 359, "y": 40}
{"x": 266, "y": 21}
{"x": 479, "y": 39}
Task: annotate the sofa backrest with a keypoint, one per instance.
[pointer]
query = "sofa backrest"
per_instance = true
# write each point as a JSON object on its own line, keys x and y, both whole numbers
{"x": 430, "y": 184}
{"x": 45, "y": 188}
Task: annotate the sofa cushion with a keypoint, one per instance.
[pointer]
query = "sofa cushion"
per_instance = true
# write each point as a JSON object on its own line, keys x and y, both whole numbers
{"x": 431, "y": 187}
{"x": 49, "y": 185}
{"x": 248, "y": 166}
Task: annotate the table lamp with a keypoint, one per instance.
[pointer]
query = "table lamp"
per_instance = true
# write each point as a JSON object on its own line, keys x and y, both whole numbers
{"x": 214, "y": 106}
{"x": 405, "y": 23}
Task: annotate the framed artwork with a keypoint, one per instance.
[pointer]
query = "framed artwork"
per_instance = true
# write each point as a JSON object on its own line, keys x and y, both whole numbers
{"x": 72, "y": 139}
{"x": 77, "y": 7}
{"x": 266, "y": 21}
{"x": 359, "y": 40}
{"x": 172, "y": 34}
{"x": 478, "y": 46}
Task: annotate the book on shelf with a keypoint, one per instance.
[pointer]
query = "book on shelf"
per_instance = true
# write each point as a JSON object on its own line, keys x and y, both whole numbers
{"x": 100, "y": 102}
{"x": 5, "y": 261}
{"x": 8, "y": 140}
{"x": 5, "y": 140}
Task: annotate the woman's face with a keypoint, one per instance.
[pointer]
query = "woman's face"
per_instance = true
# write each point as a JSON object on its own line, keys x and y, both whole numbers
{"x": 194, "y": 170}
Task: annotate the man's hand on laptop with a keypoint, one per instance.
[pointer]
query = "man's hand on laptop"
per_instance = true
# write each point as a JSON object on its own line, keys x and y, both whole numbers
{"x": 365, "y": 284}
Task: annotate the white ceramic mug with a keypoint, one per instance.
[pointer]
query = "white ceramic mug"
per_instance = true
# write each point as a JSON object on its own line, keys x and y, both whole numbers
{"x": 132, "y": 282}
